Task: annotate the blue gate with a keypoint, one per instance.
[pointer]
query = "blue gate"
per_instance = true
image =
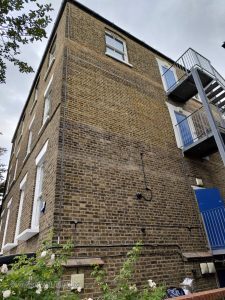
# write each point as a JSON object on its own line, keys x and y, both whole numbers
{"x": 211, "y": 206}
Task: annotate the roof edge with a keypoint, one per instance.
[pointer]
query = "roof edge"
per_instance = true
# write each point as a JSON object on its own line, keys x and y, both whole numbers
{"x": 96, "y": 15}
{"x": 59, "y": 15}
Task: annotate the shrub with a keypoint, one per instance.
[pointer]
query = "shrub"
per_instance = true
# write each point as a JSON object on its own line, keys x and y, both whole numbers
{"x": 39, "y": 277}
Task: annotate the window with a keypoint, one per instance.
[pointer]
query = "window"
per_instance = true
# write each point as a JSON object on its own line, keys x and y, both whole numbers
{"x": 47, "y": 107}
{"x": 52, "y": 50}
{"x": 14, "y": 177}
{"x": 9, "y": 180}
{"x": 29, "y": 142}
{"x": 1, "y": 226}
{"x": 47, "y": 102}
{"x": 169, "y": 77}
{"x": 116, "y": 47}
{"x": 38, "y": 197}
{"x": 21, "y": 130}
{"x": 30, "y": 136}
{"x": 184, "y": 128}
{"x": 10, "y": 246}
{"x": 22, "y": 194}
{"x": 168, "y": 73}
{"x": 36, "y": 92}
{"x": 16, "y": 165}
{"x": 22, "y": 126}
{"x": 6, "y": 225}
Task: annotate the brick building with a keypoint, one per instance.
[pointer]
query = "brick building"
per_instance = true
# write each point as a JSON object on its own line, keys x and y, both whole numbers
{"x": 114, "y": 146}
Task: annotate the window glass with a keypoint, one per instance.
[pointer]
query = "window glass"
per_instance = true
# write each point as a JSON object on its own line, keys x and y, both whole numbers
{"x": 29, "y": 142}
{"x": 47, "y": 106}
{"x": 169, "y": 77}
{"x": 38, "y": 200}
{"x": 36, "y": 92}
{"x": 52, "y": 53}
{"x": 114, "y": 43}
{"x": 115, "y": 47}
{"x": 115, "y": 54}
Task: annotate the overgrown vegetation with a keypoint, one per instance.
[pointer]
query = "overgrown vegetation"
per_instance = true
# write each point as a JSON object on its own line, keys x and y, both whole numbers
{"x": 39, "y": 277}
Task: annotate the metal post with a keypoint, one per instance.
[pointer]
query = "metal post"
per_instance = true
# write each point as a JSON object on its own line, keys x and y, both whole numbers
{"x": 212, "y": 123}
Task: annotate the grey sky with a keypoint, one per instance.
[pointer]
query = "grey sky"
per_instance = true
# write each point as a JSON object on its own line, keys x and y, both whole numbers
{"x": 170, "y": 26}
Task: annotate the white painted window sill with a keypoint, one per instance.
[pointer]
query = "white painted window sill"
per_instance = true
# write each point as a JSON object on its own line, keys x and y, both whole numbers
{"x": 49, "y": 69}
{"x": 120, "y": 60}
{"x": 9, "y": 246}
{"x": 27, "y": 234}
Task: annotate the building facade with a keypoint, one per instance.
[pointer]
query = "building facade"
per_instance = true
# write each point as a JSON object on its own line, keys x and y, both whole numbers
{"x": 113, "y": 146}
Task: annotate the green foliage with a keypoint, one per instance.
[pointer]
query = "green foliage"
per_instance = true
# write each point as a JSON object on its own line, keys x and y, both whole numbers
{"x": 2, "y": 169}
{"x": 20, "y": 26}
{"x": 122, "y": 288}
{"x": 39, "y": 277}
{"x": 36, "y": 277}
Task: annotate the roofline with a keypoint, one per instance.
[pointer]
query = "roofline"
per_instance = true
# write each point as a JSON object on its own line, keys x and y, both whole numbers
{"x": 59, "y": 15}
{"x": 99, "y": 17}
{"x": 96, "y": 15}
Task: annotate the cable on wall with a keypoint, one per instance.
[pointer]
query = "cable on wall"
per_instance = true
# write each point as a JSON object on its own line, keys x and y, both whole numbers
{"x": 139, "y": 195}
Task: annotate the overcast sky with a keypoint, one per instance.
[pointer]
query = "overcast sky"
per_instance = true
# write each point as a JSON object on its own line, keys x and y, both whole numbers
{"x": 170, "y": 26}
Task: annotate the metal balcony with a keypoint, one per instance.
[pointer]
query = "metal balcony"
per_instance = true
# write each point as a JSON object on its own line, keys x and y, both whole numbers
{"x": 195, "y": 134}
{"x": 192, "y": 73}
{"x": 183, "y": 87}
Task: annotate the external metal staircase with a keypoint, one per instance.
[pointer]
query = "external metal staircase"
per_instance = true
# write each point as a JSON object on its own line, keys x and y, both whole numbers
{"x": 203, "y": 131}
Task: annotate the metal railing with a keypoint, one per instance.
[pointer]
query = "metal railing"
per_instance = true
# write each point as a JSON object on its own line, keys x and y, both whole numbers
{"x": 183, "y": 66}
{"x": 214, "y": 222}
{"x": 195, "y": 127}
{"x": 219, "y": 77}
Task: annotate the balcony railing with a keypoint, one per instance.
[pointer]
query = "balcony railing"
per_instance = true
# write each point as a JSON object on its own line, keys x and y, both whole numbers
{"x": 195, "y": 128}
{"x": 185, "y": 63}
{"x": 214, "y": 222}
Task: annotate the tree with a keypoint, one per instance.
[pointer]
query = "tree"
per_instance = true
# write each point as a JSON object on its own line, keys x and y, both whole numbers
{"x": 2, "y": 171}
{"x": 2, "y": 166}
{"x": 20, "y": 26}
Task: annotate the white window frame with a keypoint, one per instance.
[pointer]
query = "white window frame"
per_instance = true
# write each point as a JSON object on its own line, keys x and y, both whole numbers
{"x": 10, "y": 246}
{"x": 2, "y": 214}
{"x": 16, "y": 165}
{"x": 36, "y": 89}
{"x": 30, "y": 136}
{"x": 172, "y": 109}
{"x": 124, "y": 53}
{"x": 30, "y": 232}
{"x": 46, "y": 113}
{"x": 52, "y": 51}
{"x": 22, "y": 128}
{"x": 162, "y": 64}
{"x": 14, "y": 177}
{"x": 6, "y": 225}
{"x": 9, "y": 179}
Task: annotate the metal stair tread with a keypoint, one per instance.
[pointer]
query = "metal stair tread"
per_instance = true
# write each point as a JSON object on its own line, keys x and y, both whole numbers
{"x": 211, "y": 87}
{"x": 216, "y": 92}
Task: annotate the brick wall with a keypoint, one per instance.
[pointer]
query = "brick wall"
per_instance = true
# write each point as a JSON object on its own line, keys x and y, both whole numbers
{"x": 107, "y": 115}
{"x": 112, "y": 114}
{"x": 26, "y": 163}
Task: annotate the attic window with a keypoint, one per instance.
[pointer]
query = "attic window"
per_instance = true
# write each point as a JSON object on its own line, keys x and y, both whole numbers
{"x": 52, "y": 50}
